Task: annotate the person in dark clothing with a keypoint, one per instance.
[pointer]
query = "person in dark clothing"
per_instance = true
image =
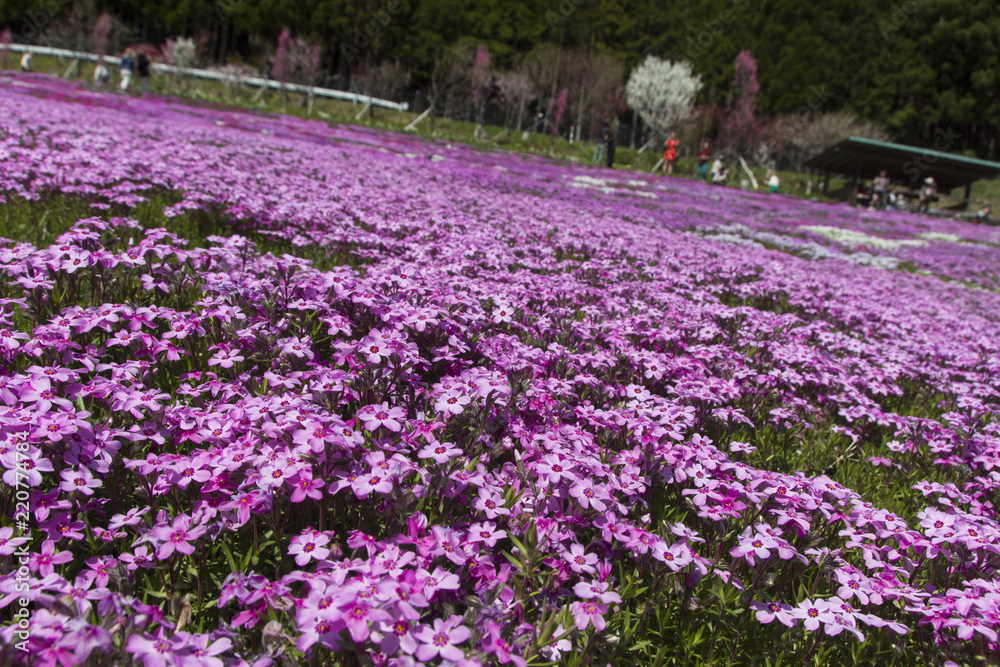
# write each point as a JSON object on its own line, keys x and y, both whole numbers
{"x": 928, "y": 194}
{"x": 610, "y": 139}
{"x": 126, "y": 66}
{"x": 880, "y": 189}
{"x": 600, "y": 144}
{"x": 704, "y": 155}
{"x": 142, "y": 69}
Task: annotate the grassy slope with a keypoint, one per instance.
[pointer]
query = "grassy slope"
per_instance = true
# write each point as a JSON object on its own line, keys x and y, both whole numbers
{"x": 336, "y": 111}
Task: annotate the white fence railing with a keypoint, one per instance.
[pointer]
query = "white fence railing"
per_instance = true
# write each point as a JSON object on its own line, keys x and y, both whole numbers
{"x": 219, "y": 76}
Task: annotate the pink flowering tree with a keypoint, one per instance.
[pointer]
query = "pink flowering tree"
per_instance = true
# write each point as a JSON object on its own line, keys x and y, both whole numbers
{"x": 4, "y": 48}
{"x": 557, "y": 109}
{"x": 515, "y": 92}
{"x": 102, "y": 29}
{"x": 180, "y": 52}
{"x": 481, "y": 79}
{"x": 740, "y": 128}
{"x": 296, "y": 61}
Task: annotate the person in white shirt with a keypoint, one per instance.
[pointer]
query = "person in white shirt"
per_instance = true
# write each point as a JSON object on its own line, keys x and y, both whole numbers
{"x": 717, "y": 174}
{"x": 26, "y": 62}
{"x": 101, "y": 74}
{"x": 772, "y": 182}
{"x": 928, "y": 192}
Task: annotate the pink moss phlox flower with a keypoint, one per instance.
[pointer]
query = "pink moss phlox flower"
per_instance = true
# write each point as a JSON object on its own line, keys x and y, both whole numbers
{"x": 381, "y": 414}
{"x": 588, "y": 613}
{"x": 441, "y": 639}
{"x": 47, "y": 558}
{"x": 309, "y": 545}
{"x": 770, "y": 611}
{"x": 176, "y": 536}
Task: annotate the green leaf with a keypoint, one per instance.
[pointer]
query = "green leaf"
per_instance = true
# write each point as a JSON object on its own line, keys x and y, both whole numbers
{"x": 229, "y": 556}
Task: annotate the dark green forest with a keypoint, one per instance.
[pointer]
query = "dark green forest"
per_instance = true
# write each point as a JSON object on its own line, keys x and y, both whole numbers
{"x": 919, "y": 67}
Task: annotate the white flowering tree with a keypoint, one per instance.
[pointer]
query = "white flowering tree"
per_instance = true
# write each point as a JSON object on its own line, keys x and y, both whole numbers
{"x": 662, "y": 92}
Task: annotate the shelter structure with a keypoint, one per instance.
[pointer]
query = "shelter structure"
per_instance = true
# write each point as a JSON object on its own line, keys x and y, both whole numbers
{"x": 859, "y": 159}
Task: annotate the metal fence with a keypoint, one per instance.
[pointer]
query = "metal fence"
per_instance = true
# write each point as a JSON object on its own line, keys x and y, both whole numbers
{"x": 219, "y": 76}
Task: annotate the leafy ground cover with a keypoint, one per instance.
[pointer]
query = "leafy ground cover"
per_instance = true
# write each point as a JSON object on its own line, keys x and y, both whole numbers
{"x": 279, "y": 393}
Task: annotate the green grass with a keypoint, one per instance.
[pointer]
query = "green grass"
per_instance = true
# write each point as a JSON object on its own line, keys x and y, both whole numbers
{"x": 40, "y": 222}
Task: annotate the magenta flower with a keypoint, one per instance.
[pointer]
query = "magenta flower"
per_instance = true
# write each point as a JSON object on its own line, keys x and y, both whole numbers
{"x": 441, "y": 640}
{"x": 81, "y": 480}
{"x": 306, "y": 487}
{"x": 308, "y": 546}
{"x": 44, "y": 561}
{"x": 398, "y": 636}
{"x": 155, "y": 651}
{"x": 813, "y": 613}
{"x": 28, "y": 469}
{"x": 375, "y": 416}
{"x": 588, "y": 590}
{"x": 358, "y": 615}
{"x": 969, "y": 625}
{"x": 377, "y": 482}
{"x": 490, "y": 504}
{"x": 452, "y": 403}
{"x": 676, "y": 556}
{"x": 439, "y": 580}
{"x": 8, "y": 543}
{"x": 176, "y": 536}
{"x": 588, "y": 613}
{"x": 554, "y": 469}
{"x": 225, "y": 358}
{"x": 39, "y": 391}
{"x": 198, "y": 652}
{"x": 142, "y": 557}
{"x": 374, "y": 347}
{"x": 486, "y": 533}
{"x": 752, "y": 546}
{"x": 589, "y": 494}
{"x": 440, "y": 452}
{"x": 769, "y": 611}
{"x": 579, "y": 560}
{"x": 502, "y": 313}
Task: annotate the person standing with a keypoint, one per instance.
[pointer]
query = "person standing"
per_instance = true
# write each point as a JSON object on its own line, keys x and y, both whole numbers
{"x": 142, "y": 69}
{"x": 704, "y": 155}
{"x": 880, "y": 189}
{"x": 611, "y": 138}
{"x": 127, "y": 66}
{"x": 600, "y": 144}
{"x": 101, "y": 74}
{"x": 670, "y": 153}
{"x": 719, "y": 173}
{"x": 927, "y": 192}
{"x": 772, "y": 182}
{"x": 26, "y": 62}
